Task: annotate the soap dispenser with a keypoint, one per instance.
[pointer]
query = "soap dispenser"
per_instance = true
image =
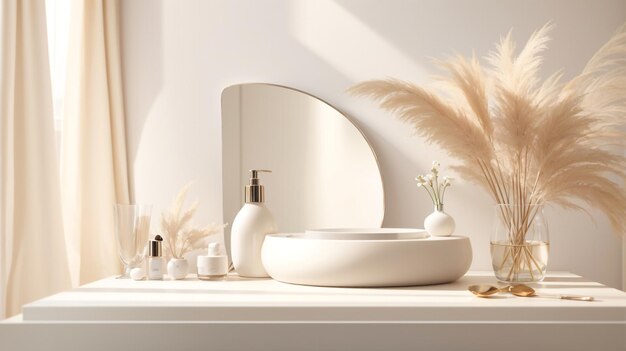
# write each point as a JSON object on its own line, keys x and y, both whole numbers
{"x": 250, "y": 226}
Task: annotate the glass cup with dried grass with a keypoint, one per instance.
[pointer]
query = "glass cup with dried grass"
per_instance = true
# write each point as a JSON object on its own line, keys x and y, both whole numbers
{"x": 519, "y": 243}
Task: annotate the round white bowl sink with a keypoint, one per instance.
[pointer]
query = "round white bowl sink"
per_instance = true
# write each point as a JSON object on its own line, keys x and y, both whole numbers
{"x": 301, "y": 259}
{"x": 367, "y": 233}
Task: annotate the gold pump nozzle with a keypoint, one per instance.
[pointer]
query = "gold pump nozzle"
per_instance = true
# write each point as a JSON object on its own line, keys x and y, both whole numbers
{"x": 254, "y": 191}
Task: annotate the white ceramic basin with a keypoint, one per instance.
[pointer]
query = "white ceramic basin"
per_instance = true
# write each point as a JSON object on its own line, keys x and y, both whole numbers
{"x": 306, "y": 260}
{"x": 367, "y": 233}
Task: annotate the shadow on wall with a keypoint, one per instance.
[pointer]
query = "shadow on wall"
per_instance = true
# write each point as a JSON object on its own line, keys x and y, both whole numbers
{"x": 147, "y": 78}
{"x": 426, "y": 29}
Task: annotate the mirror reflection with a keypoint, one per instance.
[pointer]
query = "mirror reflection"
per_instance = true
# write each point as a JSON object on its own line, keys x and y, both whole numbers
{"x": 324, "y": 172}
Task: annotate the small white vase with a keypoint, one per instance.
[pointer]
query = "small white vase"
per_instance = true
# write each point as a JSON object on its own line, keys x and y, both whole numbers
{"x": 439, "y": 223}
{"x": 177, "y": 268}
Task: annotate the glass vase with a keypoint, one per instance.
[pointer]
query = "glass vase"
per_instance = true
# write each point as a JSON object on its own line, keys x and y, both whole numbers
{"x": 132, "y": 226}
{"x": 519, "y": 243}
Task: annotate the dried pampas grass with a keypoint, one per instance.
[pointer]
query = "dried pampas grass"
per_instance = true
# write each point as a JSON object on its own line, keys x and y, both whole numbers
{"x": 180, "y": 236}
{"x": 526, "y": 140}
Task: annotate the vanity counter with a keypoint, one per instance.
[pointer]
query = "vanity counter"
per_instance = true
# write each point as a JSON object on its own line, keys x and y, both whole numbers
{"x": 259, "y": 314}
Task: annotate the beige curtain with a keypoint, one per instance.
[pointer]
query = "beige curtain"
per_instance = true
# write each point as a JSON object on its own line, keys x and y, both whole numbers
{"x": 94, "y": 170}
{"x": 33, "y": 261}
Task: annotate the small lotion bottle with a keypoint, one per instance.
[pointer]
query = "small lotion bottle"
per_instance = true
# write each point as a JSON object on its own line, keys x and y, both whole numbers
{"x": 253, "y": 222}
{"x": 155, "y": 261}
{"x": 213, "y": 266}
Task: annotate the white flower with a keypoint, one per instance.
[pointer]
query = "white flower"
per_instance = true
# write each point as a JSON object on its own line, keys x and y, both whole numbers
{"x": 435, "y": 167}
{"x": 421, "y": 181}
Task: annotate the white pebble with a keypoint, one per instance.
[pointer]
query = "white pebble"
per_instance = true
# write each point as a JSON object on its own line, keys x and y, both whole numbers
{"x": 137, "y": 273}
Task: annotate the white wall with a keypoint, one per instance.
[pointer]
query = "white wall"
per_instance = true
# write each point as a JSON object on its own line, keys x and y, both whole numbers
{"x": 179, "y": 55}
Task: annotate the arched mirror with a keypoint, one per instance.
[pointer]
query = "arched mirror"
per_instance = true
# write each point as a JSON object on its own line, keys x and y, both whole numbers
{"x": 325, "y": 174}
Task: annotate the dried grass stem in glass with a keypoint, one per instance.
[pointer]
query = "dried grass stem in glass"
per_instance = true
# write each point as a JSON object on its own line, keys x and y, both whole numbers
{"x": 519, "y": 243}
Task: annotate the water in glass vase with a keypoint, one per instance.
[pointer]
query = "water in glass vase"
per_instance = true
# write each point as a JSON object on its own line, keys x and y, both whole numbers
{"x": 520, "y": 262}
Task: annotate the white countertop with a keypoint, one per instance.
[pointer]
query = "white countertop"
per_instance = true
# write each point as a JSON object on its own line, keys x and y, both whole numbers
{"x": 263, "y": 314}
{"x": 266, "y": 300}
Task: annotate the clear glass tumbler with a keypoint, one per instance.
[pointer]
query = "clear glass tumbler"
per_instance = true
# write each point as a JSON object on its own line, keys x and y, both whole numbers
{"x": 132, "y": 226}
{"x": 520, "y": 243}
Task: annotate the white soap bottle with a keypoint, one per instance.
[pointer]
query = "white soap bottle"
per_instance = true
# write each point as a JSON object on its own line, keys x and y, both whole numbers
{"x": 250, "y": 226}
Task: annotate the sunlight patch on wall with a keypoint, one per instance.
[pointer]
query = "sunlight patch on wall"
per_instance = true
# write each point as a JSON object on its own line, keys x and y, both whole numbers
{"x": 348, "y": 44}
